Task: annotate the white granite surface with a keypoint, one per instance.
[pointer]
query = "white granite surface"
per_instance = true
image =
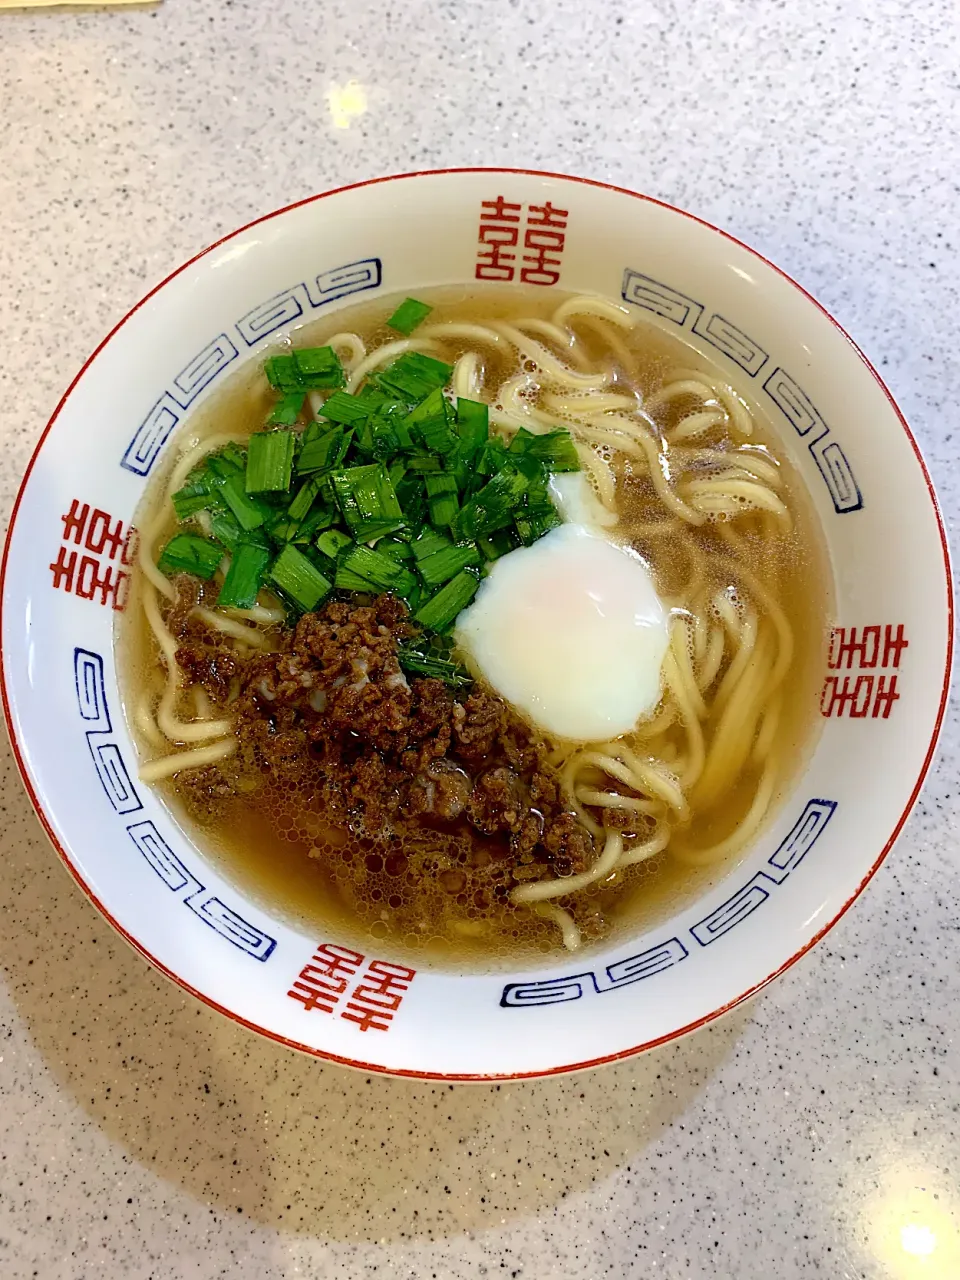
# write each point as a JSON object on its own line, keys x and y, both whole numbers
{"x": 813, "y": 1133}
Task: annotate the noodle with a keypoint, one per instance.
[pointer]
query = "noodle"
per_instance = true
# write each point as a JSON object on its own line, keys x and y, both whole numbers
{"x": 167, "y": 766}
{"x": 543, "y": 890}
{"x": 564, "y": 921}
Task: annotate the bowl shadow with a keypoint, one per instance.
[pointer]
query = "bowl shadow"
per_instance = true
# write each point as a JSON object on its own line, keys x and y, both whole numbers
{"x": 307, "y": 1147}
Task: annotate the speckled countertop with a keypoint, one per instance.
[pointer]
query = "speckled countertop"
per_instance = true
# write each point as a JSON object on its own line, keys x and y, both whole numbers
{"x": 815, "y": 1132}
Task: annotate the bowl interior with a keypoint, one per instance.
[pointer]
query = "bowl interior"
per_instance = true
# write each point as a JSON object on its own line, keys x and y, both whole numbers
{"x": 881, "y": 698}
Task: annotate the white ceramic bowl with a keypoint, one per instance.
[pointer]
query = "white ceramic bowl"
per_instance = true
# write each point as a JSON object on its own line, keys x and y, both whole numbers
{"x": 882, "y": 700}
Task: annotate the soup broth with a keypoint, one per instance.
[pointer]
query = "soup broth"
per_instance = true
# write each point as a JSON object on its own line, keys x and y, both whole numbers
{"x": 683, "y": 470}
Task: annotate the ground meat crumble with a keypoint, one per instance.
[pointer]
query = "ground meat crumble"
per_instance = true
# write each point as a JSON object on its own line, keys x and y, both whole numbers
{"x": 386, "y": 751}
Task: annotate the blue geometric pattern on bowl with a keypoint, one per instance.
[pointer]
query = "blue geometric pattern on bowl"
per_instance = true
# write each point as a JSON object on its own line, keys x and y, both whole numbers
{"x": 785, "y": 393}
{"x": 278, "y": 311}
{"x": 115, "y": 779}
{"x": 790, "y": 852}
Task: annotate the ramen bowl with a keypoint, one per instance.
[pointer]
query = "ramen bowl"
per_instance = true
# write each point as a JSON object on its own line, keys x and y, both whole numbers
{"x": 880, "y": 695}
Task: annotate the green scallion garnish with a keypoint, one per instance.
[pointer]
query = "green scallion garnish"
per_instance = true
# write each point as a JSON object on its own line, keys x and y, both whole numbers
{"x": 287, "y": 409}
{"x": 378, "y": 571}
{"x": 319, "y": 368}
{"x": 304, "y": 498}
{"x": 418, "y": 663}
{"x": 324, "y": 451}
{"x": 366, "y": 494}
{"x": 497, "y": 544}
{"x": 225, "y": 528}
{"x": 445, "y": 564}
{"x": 473, "y": 425}
{"x": 431, "y": 422}
{"x": 533, "y": 522}
{"x": 299, "y": 579}
{"x": 189, "y": 553}
{"x": 395, "y": 548}
{"x": 413, "y": 376}
{"x": 555, "y": 450}
{"x": 282, "y": 374}
{"x": 249, "y": 513}
{"x": 440, "y": 610}
{"x": 244, "y": 577}
{"x": 495, "y": 506}
{"x": 269, "y": 461}
{"x": 428, "y": 543}
{"x": 331, "y": 542}
{"x": 442, "y": 497}
{"x": 197, "y": 494}
{"x": 408, "y": 315}
{"x": 394, "y": 487}
{"x": 346, "y": 409}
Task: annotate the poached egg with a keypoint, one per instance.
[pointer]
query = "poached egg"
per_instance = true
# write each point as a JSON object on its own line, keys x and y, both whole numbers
{"x": 570, "y": 631}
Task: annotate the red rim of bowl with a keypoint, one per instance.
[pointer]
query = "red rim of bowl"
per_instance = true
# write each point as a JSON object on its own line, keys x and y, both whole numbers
{"x": 510, "y": 1075}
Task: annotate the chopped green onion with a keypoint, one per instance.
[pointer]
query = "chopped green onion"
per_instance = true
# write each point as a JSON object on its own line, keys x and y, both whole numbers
{"x": 408, "y": 315}
{"x": 473, "y": 423}
{"x": 189, "y": 553}
{"x": 311, "y": 368}
{"x": 421, "y": 462}
{"x": 429, "y": 543}
{"x": 395, "y": 548}
{"x": 497, "y": 544}
{"x": 249, "y": 513}
{"x": 319, "y": 368}
{"x": 555, "y": 450}
{"x": 324, "y": 451}
{"x": 244, "y": 577}
{"x": 538, "y": 490}
{"x": 440, "y": 610}
{"x": 533, "y": 522}
{"x": 347, "y": 581}
{"x": 304, "y": 499}
{"x": 378, "y": 571}
{"x": 422, "y": 664}
{"x": 442, "y": 497}
{"x": 299, "y": 579}
{"x": 370, "y": 530}
{"x": 389, "y": 422}
{"x": 310, "y": 525}
{"x": 226, "y": 461}
{"x": 430, "y": 420}
{"x": 346, "y": 409}
{"x": 365, "y": 494}
{"x": 413, "y": 376}
{"x": 443, "y": 565}
{"x": 398, "y": 425}
{"x": 495, "y": 506}
{"x": 313, "y": 431}
{"x": 280, "y": 527}
{"x": 269, "y": 461}
{"x": 197, "y": 494}
{"x": 413, "y": 500}
{"x": 282, "y": 374}
{"x": 378, "y": 438}
{"x": 287, "y": 409}
{"x": 370, "y": 393}
{"x": 331, "y": 543}
{"x": 225, "y": 528}
{"x": 491, "y": 458}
